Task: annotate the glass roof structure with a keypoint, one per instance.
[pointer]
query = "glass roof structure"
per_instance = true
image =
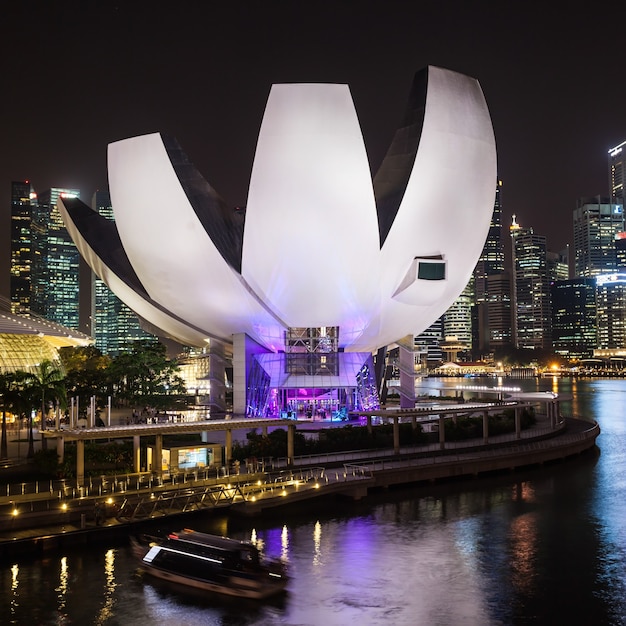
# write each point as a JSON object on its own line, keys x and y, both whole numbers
{"x": 26, "y": 340}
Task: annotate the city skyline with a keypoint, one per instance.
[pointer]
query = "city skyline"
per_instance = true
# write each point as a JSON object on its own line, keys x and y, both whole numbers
{"x": 100, "y": 72}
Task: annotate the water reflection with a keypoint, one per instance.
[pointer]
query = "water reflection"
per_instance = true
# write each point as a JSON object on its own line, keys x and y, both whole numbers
{"x": 317, "y": 544}
{"x": 106, "y": 612}
{"x": 62, "y": 588}
{"x": 544, "y": 546}
{"x": 14, "y": 602}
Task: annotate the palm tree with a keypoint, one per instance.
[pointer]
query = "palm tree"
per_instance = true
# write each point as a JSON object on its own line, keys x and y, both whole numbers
{"x": 12, "y": 398}
{"x": 7, "y": 381}
{"x": 47, "y": 381}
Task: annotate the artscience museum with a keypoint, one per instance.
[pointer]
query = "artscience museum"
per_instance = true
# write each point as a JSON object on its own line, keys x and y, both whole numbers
{"x": 325, "y": 265}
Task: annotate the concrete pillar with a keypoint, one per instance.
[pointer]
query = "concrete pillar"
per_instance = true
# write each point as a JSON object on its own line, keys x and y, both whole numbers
{"x": 80, "y": 462}
{"x": 228, "y": 446}
{"x": 291, "y": 429}
{"x": 369, "y": 424}
{"x": 396, "y": 435}
{"x": 157, "y": 457}
{"x": 136, "y": 454}
{"x": 485, "y": 426}
{"x": 60, "y": 449}
{"x": 244, "y": 349}
{"x": 414, "y": 421}
{"x": 442, "y": 432}
{"x": 239, "y": 375}
{"x": 518, "y": 422}
{"x": 264, "y": 430}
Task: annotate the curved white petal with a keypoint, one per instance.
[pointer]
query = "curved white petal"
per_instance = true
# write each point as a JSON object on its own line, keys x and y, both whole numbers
{"x": 170, "y": 251}
{"x": 311, "y": 236}
{"x": 311, "y": 252}
{"x": 446, "y": 208}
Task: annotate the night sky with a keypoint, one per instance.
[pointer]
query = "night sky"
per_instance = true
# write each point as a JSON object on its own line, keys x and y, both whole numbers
{"x": 78, "y": 75}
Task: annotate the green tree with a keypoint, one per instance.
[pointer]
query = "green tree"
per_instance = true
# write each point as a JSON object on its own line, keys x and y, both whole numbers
{"x": 11, "y": 399}
{"x": 144, "y": 374}
{"x": 87, "y": 374}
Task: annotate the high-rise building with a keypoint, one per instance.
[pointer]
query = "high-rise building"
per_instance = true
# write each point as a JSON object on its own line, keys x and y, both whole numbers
{"x": 611, "y": 311}
{"x": 23, "y": 202}
{"x": 617, "y": 174}
{"x": 457, "y": 321}
{"x": 492, "y": 309}
{"x": 55, "y": 264}
{"x": 574, "y": 332}
{"x": 531, "y": 289}
{"x": 428, "y": 345}
{"x": 493, "y": 315}
{"x": 620, "y": 252}
{"x": 558, "y": 265}
{"x": 491, "y": 260}
{"x": 114, "y": 325}
{"x": 596, "y": 223}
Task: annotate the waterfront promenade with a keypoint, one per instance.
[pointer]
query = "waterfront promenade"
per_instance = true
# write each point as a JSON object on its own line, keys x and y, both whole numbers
{"x": 114, "y": 507}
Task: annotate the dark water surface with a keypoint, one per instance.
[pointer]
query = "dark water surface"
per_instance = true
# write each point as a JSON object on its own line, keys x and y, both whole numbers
{"x": 547, "y": 546}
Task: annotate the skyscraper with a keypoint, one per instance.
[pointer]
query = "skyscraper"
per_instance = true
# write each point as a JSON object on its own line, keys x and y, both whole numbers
{"x": 54, "y": 276}
{"x": 531, "y": 289}
{"x": 492, "y": 310}
{"x": 457, "y": 320}
{"x": 611, "y": 311}
{"x": 597, "y": 221}
{"x": 574, "y": 332}
{"x": 114, "y": 325}
{"x": 558, "y": 265}
{"x": 617, "y": 173}
{"x": 23, "y": 202}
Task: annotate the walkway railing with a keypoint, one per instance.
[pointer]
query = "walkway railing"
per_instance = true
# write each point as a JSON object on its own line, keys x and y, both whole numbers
{"x": 145, "y": 492}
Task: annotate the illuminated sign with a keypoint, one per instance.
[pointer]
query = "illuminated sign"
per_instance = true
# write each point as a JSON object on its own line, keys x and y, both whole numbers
{"x": 610, "y": 278}
{"x": 613, "y": 152}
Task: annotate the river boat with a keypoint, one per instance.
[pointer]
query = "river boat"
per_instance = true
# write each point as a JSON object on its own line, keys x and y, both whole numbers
{"x": 211, "y": 563}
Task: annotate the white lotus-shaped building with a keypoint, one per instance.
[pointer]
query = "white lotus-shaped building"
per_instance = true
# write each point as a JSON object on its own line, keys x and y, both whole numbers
{"x": 323, "y": 260}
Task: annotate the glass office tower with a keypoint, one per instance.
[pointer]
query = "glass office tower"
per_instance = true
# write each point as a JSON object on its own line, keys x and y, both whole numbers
{"x": 55, "y": 262}
{"x": 114, "y": 325}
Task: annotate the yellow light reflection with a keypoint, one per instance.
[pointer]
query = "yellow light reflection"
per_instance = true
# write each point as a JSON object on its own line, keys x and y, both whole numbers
{"x": 15, "y": 599}
{"x": 14, "y": 582}
{"x": 317, "y": 543}
{"x": 63, "y": 585}
{"x": 106, "y": 612}
{"x": 257, "y": 541}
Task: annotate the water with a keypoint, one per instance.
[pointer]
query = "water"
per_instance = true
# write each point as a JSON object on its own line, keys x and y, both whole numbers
{"x": 546, "y": 546}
